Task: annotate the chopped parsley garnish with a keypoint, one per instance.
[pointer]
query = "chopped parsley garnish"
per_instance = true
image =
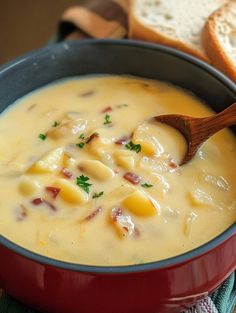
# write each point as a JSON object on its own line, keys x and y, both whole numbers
{"x": 131, "y": 146}
{"x": 55, "y": 124}
{"x": 97, "y": 194}
{"x": 80, "y": 145}
{"x": 83, "y": 183}
{"x": 107, "y": 119}
{"x": 42, "y": 136}
{"x": 146, "y": 185}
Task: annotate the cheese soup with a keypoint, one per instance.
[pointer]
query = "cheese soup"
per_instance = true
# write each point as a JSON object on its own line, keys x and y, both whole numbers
{"x": 87, "y": 177}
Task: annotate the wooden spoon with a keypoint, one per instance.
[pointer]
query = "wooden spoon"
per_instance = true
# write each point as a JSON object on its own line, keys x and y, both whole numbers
{"x": 197, "y": 130}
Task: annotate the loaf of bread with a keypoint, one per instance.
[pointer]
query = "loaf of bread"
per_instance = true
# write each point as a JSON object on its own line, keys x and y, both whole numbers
{"x": 219, "y": 39}
{"x": 176, "y": 23}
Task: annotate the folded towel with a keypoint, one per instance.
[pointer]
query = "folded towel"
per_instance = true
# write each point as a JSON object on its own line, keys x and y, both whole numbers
{"x": 95, "y": 19}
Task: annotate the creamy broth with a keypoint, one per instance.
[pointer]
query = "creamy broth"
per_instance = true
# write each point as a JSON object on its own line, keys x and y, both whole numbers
{"x": 87, "y": 178}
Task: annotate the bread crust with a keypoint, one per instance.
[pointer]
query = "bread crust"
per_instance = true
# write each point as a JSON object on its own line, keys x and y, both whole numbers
{"x": 138, "y": 30}
{"x": 213, "y": 47}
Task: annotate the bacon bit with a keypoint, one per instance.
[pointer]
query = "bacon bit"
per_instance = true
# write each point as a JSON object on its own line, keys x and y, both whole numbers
{"x": 122, "y": 140}
{"x": 54, "y": 191}
{"x": 39, "y": 201}
{"x": 87, "y": 93}
{"x": 91, "y": 137}
{"x": 93, "y": 214}
{"x": 22, "y": 213}
{"x": 132, "y": 178}
{"x": 107, "y": 109}
{"x": 172, "y": 164}
{"x": 66, "y": 173}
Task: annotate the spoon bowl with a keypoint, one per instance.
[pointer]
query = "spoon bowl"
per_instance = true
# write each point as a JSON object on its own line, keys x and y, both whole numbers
{"x": 197, "y": 130}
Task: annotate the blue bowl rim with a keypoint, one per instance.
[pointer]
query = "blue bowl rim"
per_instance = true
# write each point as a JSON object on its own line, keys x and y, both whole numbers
{"x": 156, "y": 265}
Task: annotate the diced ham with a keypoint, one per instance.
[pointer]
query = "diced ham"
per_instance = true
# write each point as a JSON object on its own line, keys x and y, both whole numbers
{"x": 107, "y": 109}
{"x": 38, "y": 201}
{"x": 93, "y": 214}
{"x": 132, "y": 178}
{"x": 91, "y": 137}
{"x": 66, "y": 173}
{"x": 53, "y": 191}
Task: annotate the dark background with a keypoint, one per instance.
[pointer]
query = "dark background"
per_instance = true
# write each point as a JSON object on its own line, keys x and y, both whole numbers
{"x": 28, "y": 24}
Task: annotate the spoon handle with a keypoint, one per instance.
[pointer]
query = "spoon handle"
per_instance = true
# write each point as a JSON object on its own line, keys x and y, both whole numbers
{"x": 210, "y": 125}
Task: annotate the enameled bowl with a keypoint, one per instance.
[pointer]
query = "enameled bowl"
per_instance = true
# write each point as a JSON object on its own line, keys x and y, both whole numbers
{"x": 165, "y": 286}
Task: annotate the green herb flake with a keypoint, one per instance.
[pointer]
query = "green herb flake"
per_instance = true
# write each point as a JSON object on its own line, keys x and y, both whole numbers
{"x": 82, "y": 136}
{"x": 82, "y": 182}
{"x": 42, "y": 136}
{"x": 135, "y": 147}
{"x": 80, "y": 145}
{"x": 55, "y": 124}
{"x": 97, "y": 194}
{"x": 107, "y": 119}
{"x": 146, "y": 185}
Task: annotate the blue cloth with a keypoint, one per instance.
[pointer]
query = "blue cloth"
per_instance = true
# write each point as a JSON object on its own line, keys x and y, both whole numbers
{"x": 224, "y": 298}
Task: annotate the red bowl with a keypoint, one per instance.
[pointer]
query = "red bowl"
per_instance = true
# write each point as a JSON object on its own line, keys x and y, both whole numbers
{"x": 165, "y": 286}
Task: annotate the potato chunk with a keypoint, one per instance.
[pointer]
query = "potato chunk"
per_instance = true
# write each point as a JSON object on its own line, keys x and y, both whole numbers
{"x": 121, "y": 192}
{"x": 148, "y": 148}
{"x": 28, "y": 186}
{"x": 199, "y": 197}
{"x": 217, "y": 181}
{"x": 124, "y": 159}
{"x": 143, "y": 136}
{"x": 96, "y": 169}
{"x": 67, "y": 128}
{"x": 68, "y": 161}
{"x": 70, "y": 192}
{"x": 49, "y": 163}
{"x": 140, "y": 204}
{"x": 100, "y": 144}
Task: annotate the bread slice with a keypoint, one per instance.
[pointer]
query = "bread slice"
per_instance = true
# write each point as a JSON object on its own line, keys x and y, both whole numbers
{"x": 175, "y": 23}
{"x": 219, "y": 39}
